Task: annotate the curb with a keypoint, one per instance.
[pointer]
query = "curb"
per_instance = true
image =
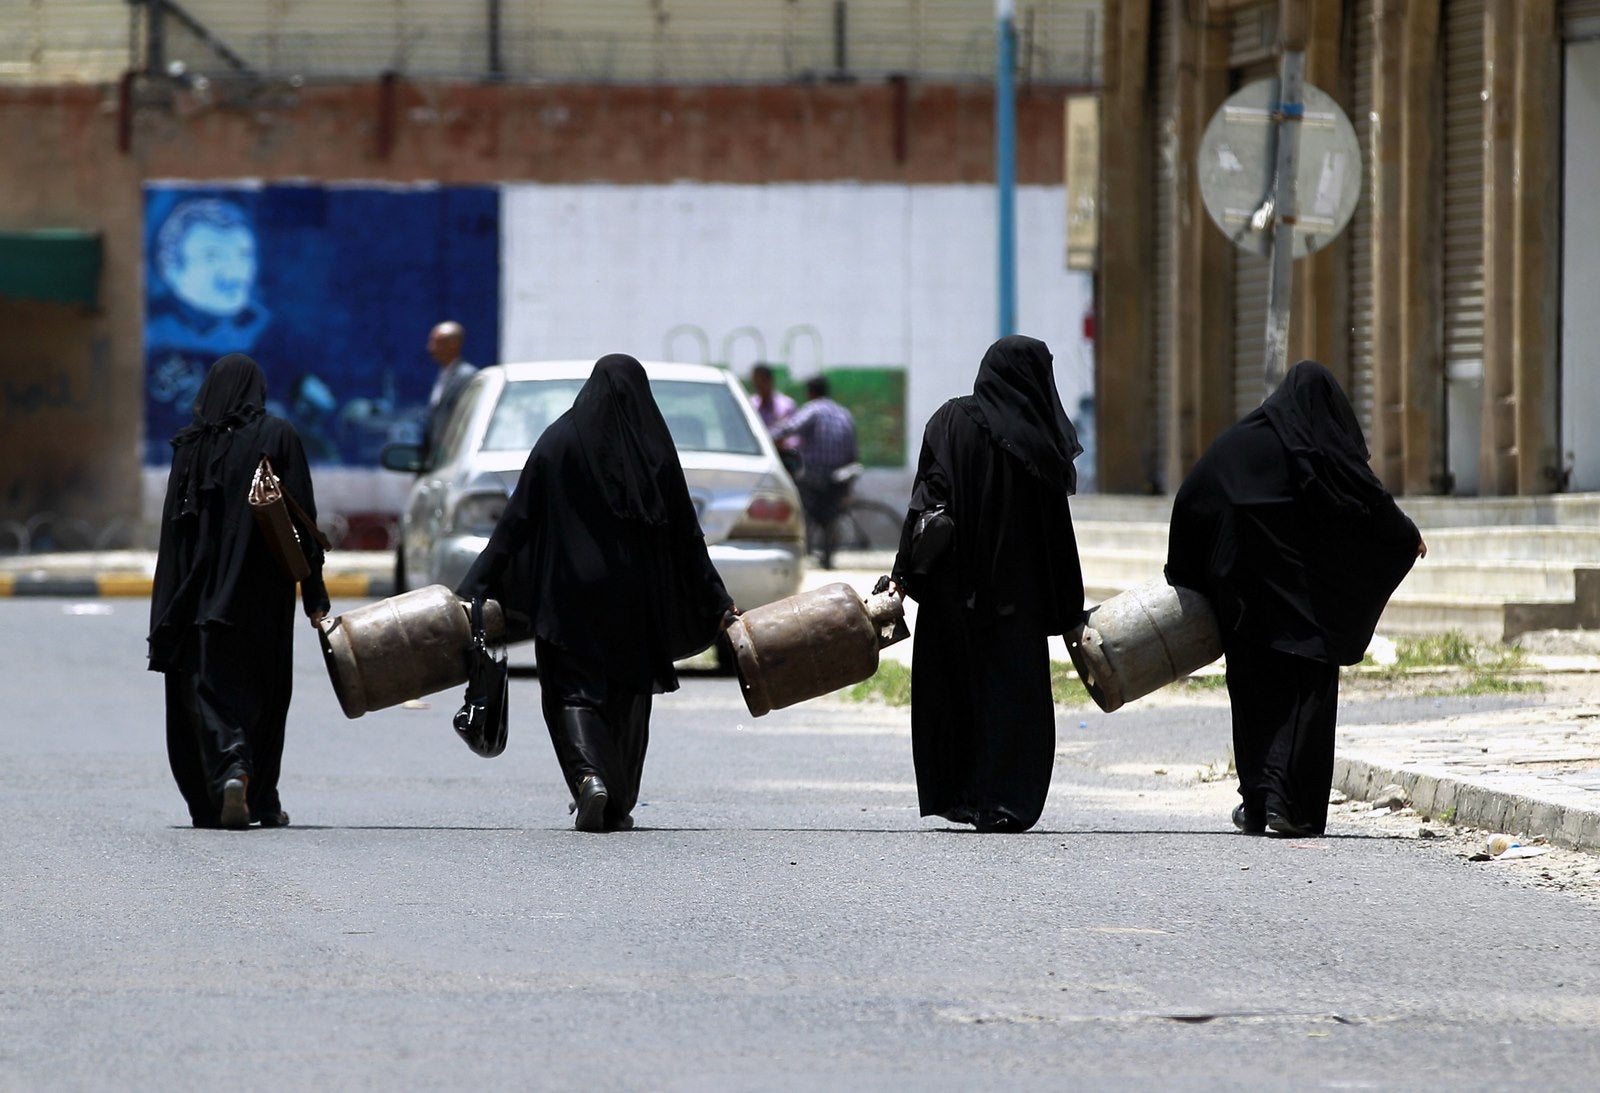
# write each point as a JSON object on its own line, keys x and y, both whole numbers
{"x": 340, "y": 586}
{"x": 1480, "y": 802}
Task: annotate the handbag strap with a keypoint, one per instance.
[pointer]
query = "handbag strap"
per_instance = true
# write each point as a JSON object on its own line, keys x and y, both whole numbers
{"x": 309, "y": 523}
{"x": 294, "y": 506}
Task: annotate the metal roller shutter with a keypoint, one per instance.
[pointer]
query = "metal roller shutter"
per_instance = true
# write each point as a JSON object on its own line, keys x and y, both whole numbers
{"x": 1462, "y": 229}
{"x": 1362, "y": 48}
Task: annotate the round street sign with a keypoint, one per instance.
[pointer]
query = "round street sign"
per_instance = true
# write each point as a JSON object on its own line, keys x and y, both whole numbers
{"x": 1237, "y": 156}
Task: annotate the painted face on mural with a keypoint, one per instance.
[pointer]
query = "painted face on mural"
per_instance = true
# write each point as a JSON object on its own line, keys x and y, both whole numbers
{"x": 215, "y": 268}
{"x": 206, "y": 253}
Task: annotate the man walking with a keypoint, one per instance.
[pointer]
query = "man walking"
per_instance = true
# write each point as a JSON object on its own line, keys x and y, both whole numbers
{"x": 827, "y": 444}
{"x": 444, "y": 346}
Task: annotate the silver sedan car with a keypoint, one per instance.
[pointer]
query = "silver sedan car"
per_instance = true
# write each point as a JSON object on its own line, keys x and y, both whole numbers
{"x": 748, "y": 506}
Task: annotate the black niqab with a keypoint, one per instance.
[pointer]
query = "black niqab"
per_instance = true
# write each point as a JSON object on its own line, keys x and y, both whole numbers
{"x": 1327, "y": 453}
{"x": 599, "y": 547}
{"x": 1286, "y": 529}
{"x": 1016, "y": 394}
{"x": 233, "y": 393}
{"x": 625, "y": 441}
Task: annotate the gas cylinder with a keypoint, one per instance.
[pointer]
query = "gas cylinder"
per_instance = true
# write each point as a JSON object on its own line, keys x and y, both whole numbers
{"x": 812, "y": 643}
{"x": 1142, "y": 639}
{"x": 385, "y": 653}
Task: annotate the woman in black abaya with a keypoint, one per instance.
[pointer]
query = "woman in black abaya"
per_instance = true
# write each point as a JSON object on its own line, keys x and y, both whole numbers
{"x": 221, "y": 609}
{"x": 1284, "y": 527}
{"x": 600, "y": 548}
{"x": 999, "y": 463}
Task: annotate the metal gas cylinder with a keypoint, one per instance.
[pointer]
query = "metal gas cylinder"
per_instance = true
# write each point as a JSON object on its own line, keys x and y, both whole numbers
{"x": 385, "y": 653}
{"x": 812, "y": 643}
{"x": 1142, "y": 639}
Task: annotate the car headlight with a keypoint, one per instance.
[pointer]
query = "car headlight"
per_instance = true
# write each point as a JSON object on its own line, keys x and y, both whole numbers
{"x": 478, "y": 513}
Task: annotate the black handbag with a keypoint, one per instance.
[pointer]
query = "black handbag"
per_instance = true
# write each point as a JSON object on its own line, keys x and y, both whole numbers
{"x": 481, "y": 722}
{"x": 930, "y": 539}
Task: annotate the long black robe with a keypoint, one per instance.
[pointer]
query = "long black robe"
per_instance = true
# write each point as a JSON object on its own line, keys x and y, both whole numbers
{"x": 1286, "y": 530}
{"x": 999, "y": 462}
{"x": 221, "y": 611}
{"x": 599, "y": 548}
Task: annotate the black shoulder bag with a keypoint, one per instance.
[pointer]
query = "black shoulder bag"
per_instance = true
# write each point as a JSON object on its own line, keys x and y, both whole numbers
{"x": 481, "y": 721}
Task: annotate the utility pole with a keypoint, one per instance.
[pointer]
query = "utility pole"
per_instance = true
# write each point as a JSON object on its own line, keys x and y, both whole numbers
{"x": 1005, "y": 159}
{"x": 1286, "y": 125}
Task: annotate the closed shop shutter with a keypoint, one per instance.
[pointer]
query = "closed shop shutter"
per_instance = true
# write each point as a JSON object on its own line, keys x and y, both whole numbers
{"x": 1462, "y": 243}
{"x": 1165, "y": 18}
{"x": 1362, "y": 48}
{"x": 1580, "y": 19}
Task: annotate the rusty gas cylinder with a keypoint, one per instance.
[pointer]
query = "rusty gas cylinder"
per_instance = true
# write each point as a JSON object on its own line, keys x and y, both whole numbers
{"x": 1142, "y": 639}
{"x": 414, "y": 644}
{"x": 812, "y": 643}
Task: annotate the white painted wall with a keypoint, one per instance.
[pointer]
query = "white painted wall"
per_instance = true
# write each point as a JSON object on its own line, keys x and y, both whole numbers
{"x": 1580, "y": 269}
{"x": 812, "y": 275}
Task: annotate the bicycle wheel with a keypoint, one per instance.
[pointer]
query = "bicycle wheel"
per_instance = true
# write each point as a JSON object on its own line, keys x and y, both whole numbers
{"x": 865, "y": 524}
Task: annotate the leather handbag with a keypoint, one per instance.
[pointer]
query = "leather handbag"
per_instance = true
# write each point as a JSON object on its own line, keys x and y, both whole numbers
{"x": 481, "y": 722}
{"x": 276, "y": 515}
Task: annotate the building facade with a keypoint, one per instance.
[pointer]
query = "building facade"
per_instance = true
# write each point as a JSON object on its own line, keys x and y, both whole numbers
{"x": 1454, "y": 307}
{"x": 804, "y": 181}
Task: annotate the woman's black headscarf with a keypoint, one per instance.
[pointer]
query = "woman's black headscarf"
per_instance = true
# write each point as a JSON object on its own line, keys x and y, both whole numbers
{"x": 233, "y": 393}
{"x": 1016, "y": 391}
{"x": 625, "y": 441}
{"x": 1327, "y": 452}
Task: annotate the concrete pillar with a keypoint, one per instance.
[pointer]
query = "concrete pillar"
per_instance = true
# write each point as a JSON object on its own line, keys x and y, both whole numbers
{"x": 1407, "y": 436}
{"x": 1520, "y": 447}
{"x": 1535, "y": 314}
{"x": 1200, "y": 368}
{"x": 1123, "y": 433}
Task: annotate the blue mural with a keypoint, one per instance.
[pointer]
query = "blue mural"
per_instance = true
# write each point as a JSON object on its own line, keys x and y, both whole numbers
{"x": 332, "y": 289}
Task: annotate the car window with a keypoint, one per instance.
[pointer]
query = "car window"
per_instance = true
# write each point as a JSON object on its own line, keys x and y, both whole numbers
{"x": 525, "y": 410}
{"x": 455, "y": 427}
{"x": 702, "y": 417}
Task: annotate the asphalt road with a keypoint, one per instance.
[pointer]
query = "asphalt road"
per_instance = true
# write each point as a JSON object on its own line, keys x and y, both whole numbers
{"x": 782, "y": 918}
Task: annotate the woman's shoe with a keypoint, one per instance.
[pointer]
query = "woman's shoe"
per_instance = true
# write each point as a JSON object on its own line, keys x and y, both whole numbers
{"x": 592, "y": 801}
{"x": 1279, "y": 824}
{"x": 1248, "y": 823}
{"x": 279, "y": 818}
{"x": 235, "y": 811}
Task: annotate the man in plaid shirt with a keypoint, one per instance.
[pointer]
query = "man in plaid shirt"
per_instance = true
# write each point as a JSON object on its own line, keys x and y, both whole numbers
{"x": 827, "y": 436}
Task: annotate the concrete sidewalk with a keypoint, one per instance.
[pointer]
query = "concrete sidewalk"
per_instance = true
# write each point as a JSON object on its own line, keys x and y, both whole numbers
{"x": 1531, "y": 771}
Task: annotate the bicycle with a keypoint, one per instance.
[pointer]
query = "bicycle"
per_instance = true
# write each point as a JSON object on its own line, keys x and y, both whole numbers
{"x": 861, "y": 523}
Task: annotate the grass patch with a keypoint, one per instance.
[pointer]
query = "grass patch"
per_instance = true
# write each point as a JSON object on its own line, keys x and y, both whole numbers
{"x": 891, "y": 684}
{"x": 1485, "y": 669}
{"x": 1216, "y": 681}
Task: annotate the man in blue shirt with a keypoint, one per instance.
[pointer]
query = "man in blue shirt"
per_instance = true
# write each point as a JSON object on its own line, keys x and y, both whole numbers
{"x": 827, "y": 442}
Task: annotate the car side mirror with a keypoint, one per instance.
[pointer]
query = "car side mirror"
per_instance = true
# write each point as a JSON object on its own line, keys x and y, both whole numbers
{"x": 403, "y": 457}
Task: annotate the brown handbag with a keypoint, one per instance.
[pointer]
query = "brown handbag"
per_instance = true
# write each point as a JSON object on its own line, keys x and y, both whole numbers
{"x": 276, "y": 513}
